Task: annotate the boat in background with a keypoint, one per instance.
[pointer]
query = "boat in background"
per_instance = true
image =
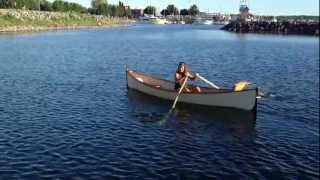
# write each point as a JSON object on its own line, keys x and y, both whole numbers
{"x": 208, "y": 22}
{"x": 160, "y": 21}
{"x": 220, "y": 22}
{"x": 202, "y": 21}
{"x": 151, "y": 19}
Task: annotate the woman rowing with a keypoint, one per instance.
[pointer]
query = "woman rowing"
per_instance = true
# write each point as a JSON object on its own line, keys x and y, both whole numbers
{"x": 182, "y": 73}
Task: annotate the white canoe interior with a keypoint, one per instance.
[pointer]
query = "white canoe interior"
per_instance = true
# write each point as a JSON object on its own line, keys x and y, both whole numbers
{"x": 164, "y": 89}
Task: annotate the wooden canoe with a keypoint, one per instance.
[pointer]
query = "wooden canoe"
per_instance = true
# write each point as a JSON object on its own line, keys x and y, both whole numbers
{"x": 150, "y": 85}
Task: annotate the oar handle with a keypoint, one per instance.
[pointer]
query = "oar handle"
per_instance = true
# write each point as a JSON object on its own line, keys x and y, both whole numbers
{"x": 179, "y": 92}
{"x": 207, "y": 81}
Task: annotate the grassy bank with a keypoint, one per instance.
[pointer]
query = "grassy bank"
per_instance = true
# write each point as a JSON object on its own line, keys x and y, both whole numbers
{"x": 23, "y": 20}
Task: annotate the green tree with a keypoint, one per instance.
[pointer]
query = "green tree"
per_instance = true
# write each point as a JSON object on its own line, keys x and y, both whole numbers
{"x": 63, "y": 6}
{"x": 45, "y": 5}
{"x": 184, "y": 12}
{"x": 128, "y": 12}
{"x": 76, "y": 8}
{"x": 26, "y": 4}
{"x": 96, "y": 3}
{"x": 121, "y": 11}
{"x": 3, "y": 4}
{"x": 194, "y": 10}
{"x": 58, "y": 5}
{"x": 112, "y": 10}
{"x": 150, "y": 10}
{"x": 18, "y": 4}
{"x": 99, "y": 7}
{"x": 164, "y": 12}
{"x": 172, "y": 10}
{"x": 102, "y": 10}
{"x": 7, "y": 4}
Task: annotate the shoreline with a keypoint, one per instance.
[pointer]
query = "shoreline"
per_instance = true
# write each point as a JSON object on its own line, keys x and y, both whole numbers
{"x": 17, "y": 20}
{"x": 17, "y": 29}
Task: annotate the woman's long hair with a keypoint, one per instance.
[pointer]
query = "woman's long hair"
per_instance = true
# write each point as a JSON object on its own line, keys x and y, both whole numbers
{"x": 186, "y": 68}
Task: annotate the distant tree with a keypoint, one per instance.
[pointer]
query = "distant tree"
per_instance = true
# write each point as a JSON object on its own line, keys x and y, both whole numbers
{"x": 120, "y": 10}
{"x": 3, "y": 4}
{"x": 172, "y": 10}
{"x": 64, "y": 6}
{"x": 124, "y": 10}
{"x": 58, "y": 5}
{"x": 194, "y": 10}
{"x": 26, "y": 4}
{"x": 150, "y": 10}
{"x": 164, "y": 12}
{"x": 103, "y": 10}
{"x": 77, "y": 8}
{"x": 21, "y": 4}
{"x": 45, "y": 5}
{"x": 128, "y": 12}
{"x": 7, "y": 4}
{"x": 112, "y": 10}
{"x": 91, "y": 11}
{"x": 96, "y": 3}
{"x": 184, "y": 12}
{"x": 99, "y": 7}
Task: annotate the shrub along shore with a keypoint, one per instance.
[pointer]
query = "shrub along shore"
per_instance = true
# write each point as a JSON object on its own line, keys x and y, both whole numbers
{"x": 15, "y": 20}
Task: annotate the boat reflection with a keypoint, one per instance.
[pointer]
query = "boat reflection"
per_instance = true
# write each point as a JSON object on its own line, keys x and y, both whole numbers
{"x": 150, "y": 109}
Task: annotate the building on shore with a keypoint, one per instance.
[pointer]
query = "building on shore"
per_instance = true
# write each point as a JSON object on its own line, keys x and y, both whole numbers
{"x": 137, "y": 13}
{"x": 244, "y": 12}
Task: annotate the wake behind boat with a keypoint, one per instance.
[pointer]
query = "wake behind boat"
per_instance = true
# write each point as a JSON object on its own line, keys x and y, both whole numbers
{"x": 229, "y": 98}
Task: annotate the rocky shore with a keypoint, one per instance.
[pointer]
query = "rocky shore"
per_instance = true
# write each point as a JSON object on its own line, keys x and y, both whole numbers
{"x": 285, "y": 28}
{"x": 12, "y": 20}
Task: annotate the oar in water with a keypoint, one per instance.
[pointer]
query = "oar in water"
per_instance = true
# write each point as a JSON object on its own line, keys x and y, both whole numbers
{"x": 178, "y": 95}
{"x": 207, "y": 81}
{"x": 167, "y": 115}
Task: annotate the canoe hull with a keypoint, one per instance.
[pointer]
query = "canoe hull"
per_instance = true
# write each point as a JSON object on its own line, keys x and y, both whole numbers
{"x": 245, "y": 100}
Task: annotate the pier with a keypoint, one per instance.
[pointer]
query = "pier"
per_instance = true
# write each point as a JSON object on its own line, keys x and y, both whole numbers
{"x": 265, "y": 27}
{"x": 246, "y": 22}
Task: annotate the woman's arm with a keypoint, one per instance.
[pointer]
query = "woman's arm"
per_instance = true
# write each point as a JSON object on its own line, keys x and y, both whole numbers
{"x": 177, "y": 77}
{"x": 191, "y": 76}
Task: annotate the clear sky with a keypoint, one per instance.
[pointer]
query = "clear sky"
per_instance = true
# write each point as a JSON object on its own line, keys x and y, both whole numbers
{"x": 265, "y": 7}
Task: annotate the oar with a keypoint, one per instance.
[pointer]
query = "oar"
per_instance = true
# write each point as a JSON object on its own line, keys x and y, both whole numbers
{"x": 178, "y": 95}
{"x": 207, "y": 81}
{"x": 168, "y": 114}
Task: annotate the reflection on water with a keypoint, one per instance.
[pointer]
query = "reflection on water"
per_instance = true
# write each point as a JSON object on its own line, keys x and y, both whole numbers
{"x": 146, "y": 108}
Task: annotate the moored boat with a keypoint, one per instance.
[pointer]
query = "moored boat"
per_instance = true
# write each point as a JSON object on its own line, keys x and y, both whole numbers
{"x": 150, "y": 85}
{"x": 159, "y": 21}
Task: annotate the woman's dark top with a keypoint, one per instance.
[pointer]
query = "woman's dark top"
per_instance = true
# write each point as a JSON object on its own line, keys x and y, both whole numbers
{"x": 178, "y": 82}
{"x": 177, "y": 86}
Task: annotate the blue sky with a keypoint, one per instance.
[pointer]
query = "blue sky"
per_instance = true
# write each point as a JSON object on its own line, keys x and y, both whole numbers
{"x": 265, "y": 7}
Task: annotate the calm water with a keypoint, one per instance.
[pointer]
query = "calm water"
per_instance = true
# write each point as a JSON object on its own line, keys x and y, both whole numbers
{"x": 65, "y": 111}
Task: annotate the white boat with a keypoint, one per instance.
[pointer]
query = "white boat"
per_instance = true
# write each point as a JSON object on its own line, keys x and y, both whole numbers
{"x": 151, "y": 19}
{"x": 221, "y": 22}
{"x": 144, "y": 20}
{"x": 208, "y": 22}
{"x": 244, "y": 100}
{"x": 160, "y": 21}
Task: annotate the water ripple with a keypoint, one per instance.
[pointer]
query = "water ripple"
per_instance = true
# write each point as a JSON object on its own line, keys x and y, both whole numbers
{"x": 65, "y": 111}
